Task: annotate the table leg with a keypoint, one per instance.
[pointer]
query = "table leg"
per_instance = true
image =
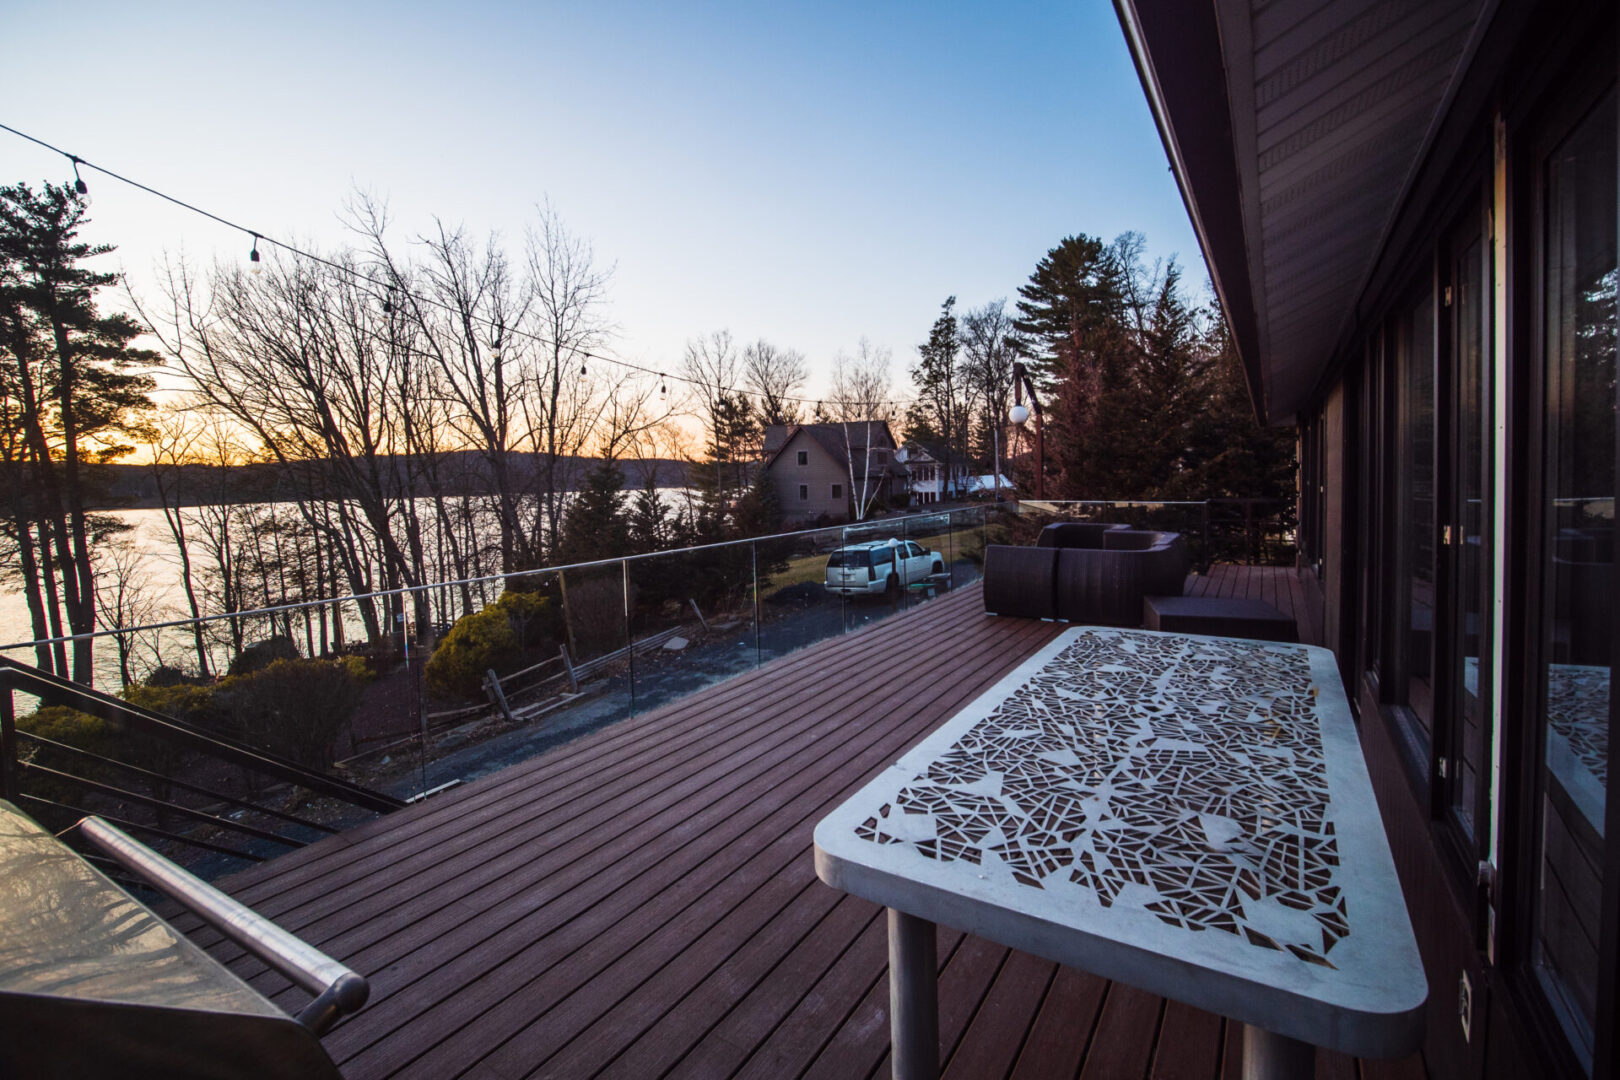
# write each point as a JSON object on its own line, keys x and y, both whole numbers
{"x": 1269, "y": 1056}
{"x": 913, "y": 997}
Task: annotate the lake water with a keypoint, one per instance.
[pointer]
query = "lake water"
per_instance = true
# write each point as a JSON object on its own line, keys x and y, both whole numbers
{"x": 159, "y": 564}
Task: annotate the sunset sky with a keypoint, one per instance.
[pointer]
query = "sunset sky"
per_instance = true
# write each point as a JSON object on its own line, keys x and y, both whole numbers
{"x": 809, "y": 174}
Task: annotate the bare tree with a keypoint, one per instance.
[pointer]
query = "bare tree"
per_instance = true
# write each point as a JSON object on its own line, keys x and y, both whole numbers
{"x": 713, "y": 370}
{"x": 126, "y": 599}
{"x": 990, "y": 347}
{"x": 860, "y": 403}
{"x": 777, "y": 377}
{"x": 570, "y": 294}
{"x": 176, "y": 434}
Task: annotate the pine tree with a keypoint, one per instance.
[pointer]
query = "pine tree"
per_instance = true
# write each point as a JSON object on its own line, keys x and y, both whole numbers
{"x": 595, "y": 525}
{"x": 75, "y": 393}
{"x": 939, "y": 416}
{"x": 650, "y": 527}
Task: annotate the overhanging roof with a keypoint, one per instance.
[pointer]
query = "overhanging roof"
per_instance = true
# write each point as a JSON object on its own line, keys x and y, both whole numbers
{"x": 1294, "y": 129}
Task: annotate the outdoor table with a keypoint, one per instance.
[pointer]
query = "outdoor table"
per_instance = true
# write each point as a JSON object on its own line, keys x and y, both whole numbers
{"x": 1189, "y": 815}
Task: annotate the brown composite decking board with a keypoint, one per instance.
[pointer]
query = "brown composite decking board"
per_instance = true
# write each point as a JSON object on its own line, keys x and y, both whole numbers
{"x": 642, "y": 902}
{"x": 339, "y": 904}
{"x": 727, "y": 847}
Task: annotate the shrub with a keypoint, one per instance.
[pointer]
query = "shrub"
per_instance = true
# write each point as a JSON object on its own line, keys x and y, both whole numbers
{"x": 478, "y": 642}
{"x": 492, "y": 638}
{"x": 294, "y": 708}
{"x": 261, "y": 654}
{"x": 163, "y": 676}
{"x": 187, "y": 702}
{"x": 94, "y": 735}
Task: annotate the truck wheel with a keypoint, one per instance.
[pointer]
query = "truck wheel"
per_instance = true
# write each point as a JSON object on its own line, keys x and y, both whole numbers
{"x": 939, "y": 566}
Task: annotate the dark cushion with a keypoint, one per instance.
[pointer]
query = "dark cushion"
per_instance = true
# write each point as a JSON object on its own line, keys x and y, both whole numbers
{"x": 1018, "y": 581}
{"x": 1075, "y": 534}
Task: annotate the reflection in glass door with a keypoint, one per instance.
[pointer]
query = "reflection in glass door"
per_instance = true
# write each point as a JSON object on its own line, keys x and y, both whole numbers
{"x": 1469, "y": 537}
{"x": 1578, "y": 536}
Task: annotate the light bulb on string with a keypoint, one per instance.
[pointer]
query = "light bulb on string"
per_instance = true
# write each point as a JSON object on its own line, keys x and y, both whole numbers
{"x": 388, "y": 302}
{"x": 253, "y": 256}
{"x": 78, "y": 181}
{"x": 495, "y": 346}
{"x": 663, "y": 385}
{"x": 582, "y": 369}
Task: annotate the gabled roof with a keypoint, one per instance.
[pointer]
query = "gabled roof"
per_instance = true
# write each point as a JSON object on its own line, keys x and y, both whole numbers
{"x": 1295, "y": 130}
{"x": 830, "y": 437}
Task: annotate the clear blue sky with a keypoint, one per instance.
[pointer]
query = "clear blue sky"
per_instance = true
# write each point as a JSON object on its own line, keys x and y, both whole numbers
{"x": 809, "y": 174}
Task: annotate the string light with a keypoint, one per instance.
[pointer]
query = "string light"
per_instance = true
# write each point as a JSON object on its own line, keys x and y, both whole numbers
{"x": 495, "y": 347}
{"x": 388, "y": 306}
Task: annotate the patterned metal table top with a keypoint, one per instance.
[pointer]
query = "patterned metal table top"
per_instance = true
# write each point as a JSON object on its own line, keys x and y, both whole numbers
{"x": 1186, "y": 814}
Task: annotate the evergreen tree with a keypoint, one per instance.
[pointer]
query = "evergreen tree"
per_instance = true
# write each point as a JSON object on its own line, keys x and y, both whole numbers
{"x": 74, "y": 394}
{"x": 939, "y": 417}
{"x": 1075, "y": 291}
{"x": 595, "y": 525}
{"x": 650, "y": 527}
{"x": 759, "y": 511}
{"x": 1230, "y": 454}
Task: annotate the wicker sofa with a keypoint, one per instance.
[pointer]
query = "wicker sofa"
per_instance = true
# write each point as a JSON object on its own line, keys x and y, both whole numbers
{"x": 1097, "y": 585}
{"x": 1076, "y": 534}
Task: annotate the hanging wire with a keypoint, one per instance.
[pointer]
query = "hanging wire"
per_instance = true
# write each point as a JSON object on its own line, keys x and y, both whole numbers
{"x": 352, "y": 272}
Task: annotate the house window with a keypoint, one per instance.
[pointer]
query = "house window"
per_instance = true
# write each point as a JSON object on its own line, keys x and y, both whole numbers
{"x": 838, "y": 491}
{"x": 804, "y": 457}
{"x": 804, "y": 492}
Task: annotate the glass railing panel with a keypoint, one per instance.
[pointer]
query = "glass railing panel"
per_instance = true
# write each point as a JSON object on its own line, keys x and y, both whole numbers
{"x": 692, "y": 619}
{"x": 799, "y": 599}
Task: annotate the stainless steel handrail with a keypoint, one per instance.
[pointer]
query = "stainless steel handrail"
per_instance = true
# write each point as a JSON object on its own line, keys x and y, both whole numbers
{"x": 338, "y": 990}
{"x": 874, "y": 524}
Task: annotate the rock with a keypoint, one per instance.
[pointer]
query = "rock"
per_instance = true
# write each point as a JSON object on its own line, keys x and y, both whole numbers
{"x": 675, "y": 644}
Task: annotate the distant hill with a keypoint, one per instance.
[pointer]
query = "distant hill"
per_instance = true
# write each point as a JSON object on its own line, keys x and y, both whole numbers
{"x": 133, "y": 487}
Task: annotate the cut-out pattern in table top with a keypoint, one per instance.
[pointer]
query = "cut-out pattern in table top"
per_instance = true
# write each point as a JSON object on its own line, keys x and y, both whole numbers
{"x": 1178, "y": 775}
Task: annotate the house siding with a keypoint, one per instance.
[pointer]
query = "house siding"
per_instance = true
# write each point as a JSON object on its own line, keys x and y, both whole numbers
{"x": 1360, "y": 527}
{"x": 819, "y": 474}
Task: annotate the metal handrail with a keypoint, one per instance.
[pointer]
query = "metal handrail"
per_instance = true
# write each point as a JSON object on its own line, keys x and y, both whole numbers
{"x": 406, "y": 590}
{"x": 58, "y": 691}
{"x": 338, "y": 990}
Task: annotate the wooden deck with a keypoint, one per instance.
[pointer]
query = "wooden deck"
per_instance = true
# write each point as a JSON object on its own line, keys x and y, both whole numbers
{"x": 642, "y": 903}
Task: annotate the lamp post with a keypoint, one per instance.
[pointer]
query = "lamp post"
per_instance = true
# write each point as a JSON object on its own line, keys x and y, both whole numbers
{"x": 1018, "y": 414}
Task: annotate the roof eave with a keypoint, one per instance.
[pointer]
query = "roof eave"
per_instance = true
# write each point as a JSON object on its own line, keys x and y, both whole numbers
{"x": 1189, "y": 78}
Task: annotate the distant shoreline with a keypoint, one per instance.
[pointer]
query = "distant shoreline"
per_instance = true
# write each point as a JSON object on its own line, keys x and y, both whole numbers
{"x": 461, "y": 474}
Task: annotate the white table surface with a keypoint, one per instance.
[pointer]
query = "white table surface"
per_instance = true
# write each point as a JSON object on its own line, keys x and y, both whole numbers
{"x": 1185, "y": 814}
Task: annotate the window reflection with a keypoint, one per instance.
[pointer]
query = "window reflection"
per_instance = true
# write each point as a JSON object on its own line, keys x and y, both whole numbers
{"x": 1414, "y": 680}
{"x": 1577, "y": 621}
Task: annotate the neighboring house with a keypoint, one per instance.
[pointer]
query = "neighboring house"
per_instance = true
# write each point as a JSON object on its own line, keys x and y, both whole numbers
{"x": 820, "y": 470}
{"x": 1410, "y": 214}
{"x": 928, "y": 475}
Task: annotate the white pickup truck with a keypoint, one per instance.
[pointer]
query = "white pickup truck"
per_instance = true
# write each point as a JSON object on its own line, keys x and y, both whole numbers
{"x": 880, "y": 567}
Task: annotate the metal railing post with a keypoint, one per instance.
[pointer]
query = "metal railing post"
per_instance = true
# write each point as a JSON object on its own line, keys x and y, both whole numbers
{"x": 759, "y": 652}
{"x": 1207, "y": 559}
{"x": 8, "y": 744}
{"x": 629, "y": 637}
